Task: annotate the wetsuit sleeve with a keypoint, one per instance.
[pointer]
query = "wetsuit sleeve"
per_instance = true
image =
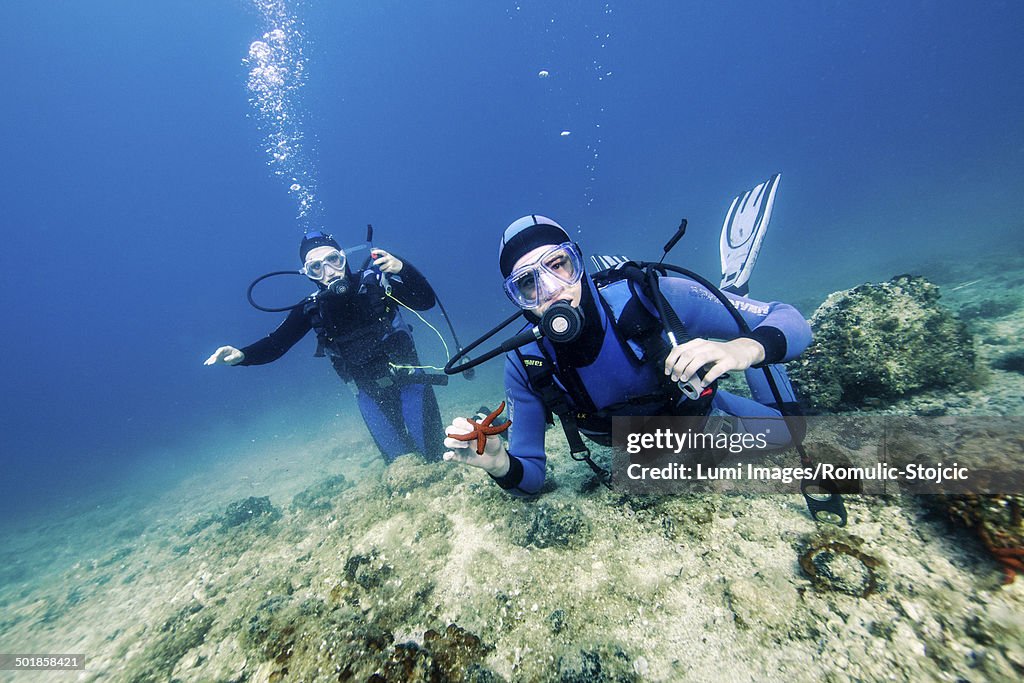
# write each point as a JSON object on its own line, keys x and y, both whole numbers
{"x": 275, "y": 344}
{"x": 411, "y": 288}
{"x": 527, "y": 459}
{"x": 778, "y": 327}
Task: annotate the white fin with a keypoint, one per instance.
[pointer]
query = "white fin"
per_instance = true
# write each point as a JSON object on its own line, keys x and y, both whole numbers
{"x": 604, "y": 261}
{"x": 743, "y": 231}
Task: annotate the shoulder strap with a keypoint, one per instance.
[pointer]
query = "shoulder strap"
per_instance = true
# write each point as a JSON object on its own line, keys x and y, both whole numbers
{"x": 540, "y": 374}
{"x": 635, "y": 324}
{"x": 644, "y": 332}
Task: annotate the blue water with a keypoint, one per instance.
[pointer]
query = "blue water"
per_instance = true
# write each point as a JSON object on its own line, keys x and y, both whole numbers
{"x": 138, "y": 202}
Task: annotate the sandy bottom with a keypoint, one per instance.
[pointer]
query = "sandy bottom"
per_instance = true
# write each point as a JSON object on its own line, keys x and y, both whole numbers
{"x": 574, "y": 586}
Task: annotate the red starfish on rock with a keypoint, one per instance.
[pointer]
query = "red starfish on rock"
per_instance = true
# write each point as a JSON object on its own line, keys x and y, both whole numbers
{"x": 483, "y": 429}
{"x": 1012, "y": 560}
{"x": 1009, "y": 555}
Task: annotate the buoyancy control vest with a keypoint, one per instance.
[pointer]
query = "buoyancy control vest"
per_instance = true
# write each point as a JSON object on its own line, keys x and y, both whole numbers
{"x": 621, "y": 292}
{"x": 352, "y": 330}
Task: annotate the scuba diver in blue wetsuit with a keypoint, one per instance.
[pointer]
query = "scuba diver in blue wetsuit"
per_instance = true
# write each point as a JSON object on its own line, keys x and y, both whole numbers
{"x": 359, "y": 327}
{"x": 614, "y": 344}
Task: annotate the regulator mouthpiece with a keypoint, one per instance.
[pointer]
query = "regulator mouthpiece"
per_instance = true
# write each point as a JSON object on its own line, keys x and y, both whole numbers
{"x": 339, "y": 287}
{"x": 562, "y": 323}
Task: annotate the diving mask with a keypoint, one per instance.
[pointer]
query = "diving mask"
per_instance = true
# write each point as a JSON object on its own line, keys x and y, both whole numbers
{"x": 536, "y": 283}
{"x": 315, "y": 269}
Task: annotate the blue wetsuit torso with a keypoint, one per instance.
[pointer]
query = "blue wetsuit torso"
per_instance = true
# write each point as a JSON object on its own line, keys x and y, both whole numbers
{"x": 617, "y": 380}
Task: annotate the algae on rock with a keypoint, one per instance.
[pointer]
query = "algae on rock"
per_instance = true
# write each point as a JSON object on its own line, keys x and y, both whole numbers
{"x": 880, "y": 342}
{"x": 252, "y": 510}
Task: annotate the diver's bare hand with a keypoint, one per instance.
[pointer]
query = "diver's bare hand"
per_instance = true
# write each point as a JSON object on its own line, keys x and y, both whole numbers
{"x": 494, "y": 460}
{"x": 386, "y": 262}
{"x": 225, "y": 355}
{"x": 685, "y": 360}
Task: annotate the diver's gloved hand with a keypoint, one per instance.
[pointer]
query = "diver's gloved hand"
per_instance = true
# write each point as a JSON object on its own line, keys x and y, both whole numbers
{"x": 719, "y": 357}
{"x": 494, "y": 460}
{"x": 386, "y": 262}
{"x": 225, "y": 355}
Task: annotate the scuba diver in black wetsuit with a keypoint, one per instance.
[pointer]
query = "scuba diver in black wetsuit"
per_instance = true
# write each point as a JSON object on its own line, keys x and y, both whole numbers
{"x": 360, "y": 328}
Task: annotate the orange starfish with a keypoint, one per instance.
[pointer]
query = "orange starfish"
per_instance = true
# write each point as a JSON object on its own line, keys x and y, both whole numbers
{"x": 1009, "y": 556}
{"x": 483, "y": 429}
{"x": 1012, "y": 560}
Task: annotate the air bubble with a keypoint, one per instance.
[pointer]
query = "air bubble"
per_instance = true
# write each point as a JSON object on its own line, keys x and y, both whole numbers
{"x": 277, "y": 71}
{"x": 259, "y": 51}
